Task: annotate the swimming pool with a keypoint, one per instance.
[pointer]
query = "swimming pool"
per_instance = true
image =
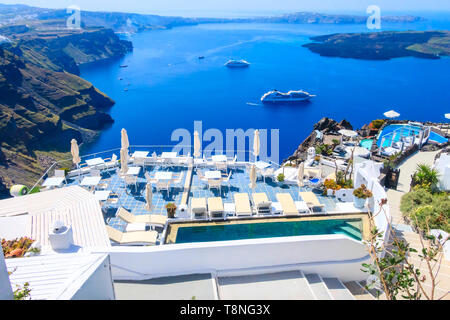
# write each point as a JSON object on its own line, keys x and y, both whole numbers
{"x": 405, "y": 130}
{"x": 255, "y": 230}
{"x": 366, "y": 143}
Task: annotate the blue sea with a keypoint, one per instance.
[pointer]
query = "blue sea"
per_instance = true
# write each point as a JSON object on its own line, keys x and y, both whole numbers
{"x": 170, "y": 88}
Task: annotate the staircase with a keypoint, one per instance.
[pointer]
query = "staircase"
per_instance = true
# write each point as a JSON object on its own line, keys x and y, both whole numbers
{"x": 289, "y": 285}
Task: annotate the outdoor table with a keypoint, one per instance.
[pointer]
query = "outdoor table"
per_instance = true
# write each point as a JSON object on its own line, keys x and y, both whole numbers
{"x": 219, "y": 158}
{"x": 133, "y": 171}
{"x": 102, "y": 195}
{"x": 213, "y": 174}
{"x": 135, "y": 227}
{"x": 262, "y": 165}
{"x": 53, "y": 182}
{"x": 169, "y": 155}
{"x": 90, "y": 181}
{"x": 140, "y": 154}
{"x": 163, "y": 175}
{"x": 95, "y": 162}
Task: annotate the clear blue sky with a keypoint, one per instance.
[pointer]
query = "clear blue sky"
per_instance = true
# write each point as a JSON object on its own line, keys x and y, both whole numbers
{"x": 180, "y": 6}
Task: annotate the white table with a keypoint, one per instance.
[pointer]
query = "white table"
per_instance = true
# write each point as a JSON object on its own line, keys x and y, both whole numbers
{"x": 262, "y": 165}
{"x": 102, "y": 195}
{"x": 219, "y": 158}
{"x": 140, "y": 154}
{"x": 163, "y": 175}
{"x": 53, "y": 182}
{"x": 135, "y": 227}
{"x": 95, "y": 162}
{"x": 133, "y": 171}
{"x": 213, "y": 175}
{"x": 169, "y": 155}
{"x": 90, "y": 181}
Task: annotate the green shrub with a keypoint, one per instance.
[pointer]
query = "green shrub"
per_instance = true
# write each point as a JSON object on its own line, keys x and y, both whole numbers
{"x": 425, "y": 209}
{"x": 362, "y": 192}
{"x": 425, "y": 177}
{"x": 280, "y": 177}
{"x": 377, "y": 124}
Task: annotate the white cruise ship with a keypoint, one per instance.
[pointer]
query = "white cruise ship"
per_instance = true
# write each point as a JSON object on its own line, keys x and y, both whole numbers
{"x": 237, "y": 64}
{"x": 276, "y": 96}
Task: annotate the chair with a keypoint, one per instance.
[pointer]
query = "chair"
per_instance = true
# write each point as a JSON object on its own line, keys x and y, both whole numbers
{"x": 262, "y": 203}
{"x": 179, "y": 179}
{"x": 140, "y": 162}
{"x": 198, "y": 207}
{"x": 287, "y": 204}
{"x": 242, "y": 204}
{"x": 215, "y": 184}
{"x": 312, "y": 201}
{"x": 232, "y": 163}
{"x": 128, "y": 217}
{"x": 227, "y": 179}
{"x": 112, "y": 162}
{"x": 215, "y": 207}
{"x": 221, "y": 166}
{"x": 132, "y": 238}
{"x": 268, "y": 173}
{"x": 149, "y": 178}
{"x": 163, "y": 185}
{"x": 60, "y": 174}
{"x": 95, "y": 173}
{"x": 131, "y": 180}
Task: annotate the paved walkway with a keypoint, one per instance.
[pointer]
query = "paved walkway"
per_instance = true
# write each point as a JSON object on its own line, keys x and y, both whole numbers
{"x": 403, "y": 230}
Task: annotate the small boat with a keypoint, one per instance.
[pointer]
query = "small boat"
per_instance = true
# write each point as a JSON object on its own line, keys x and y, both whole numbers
{"x": 124, "y": 66}
{"x": 276, "y": 96}
{"x": 126, "y": 89}
{"x": 120, "y": 78}
{"x": 201, "y": 57}
{"x": 237, "y": 64}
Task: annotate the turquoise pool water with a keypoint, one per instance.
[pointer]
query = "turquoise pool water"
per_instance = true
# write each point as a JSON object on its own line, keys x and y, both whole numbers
{"x": 367, "y": 143}
{"x": 241, "y": 231}
{"x": 405, "y": 130}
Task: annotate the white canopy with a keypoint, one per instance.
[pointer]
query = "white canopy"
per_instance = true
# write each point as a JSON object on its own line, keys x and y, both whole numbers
{"x": 253, "y": 177}
{"x": 391, "y": 114}
{"x": 256, "y": 144}
{"x": 196, "y": 145}
{"x": 124, "y": 139}
{"x": 358, "y": 151}
{"x": 123, "y": 160}
{"x": 300, "y": 174}
{"x": 447, "y": 115}
{"x": 75, "y": 152}
{"x": 348, "y": 133}
{"x": 148, "y": 197}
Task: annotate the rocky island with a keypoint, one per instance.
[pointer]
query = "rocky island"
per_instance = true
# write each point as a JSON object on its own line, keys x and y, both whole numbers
{"x": 383, "y": 45}
{"x": 43, "y": 102}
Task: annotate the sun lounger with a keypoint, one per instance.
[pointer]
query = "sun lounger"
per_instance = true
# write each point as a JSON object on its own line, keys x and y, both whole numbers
{"x": 262, "y": 203}
{"x": 302, "y": 207}
{"x": 287, "y": 204}
{"x": 132, "y": 238}
{"x": 198, "y": 207}
{"x": 312, "y": 201}
{"x": 128, "y": 217}
{"x": 242, "y": 203}
{"x": 215, "y": 207}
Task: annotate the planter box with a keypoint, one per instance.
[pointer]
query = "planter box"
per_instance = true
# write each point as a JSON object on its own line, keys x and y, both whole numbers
{"x": 359, "y": 202}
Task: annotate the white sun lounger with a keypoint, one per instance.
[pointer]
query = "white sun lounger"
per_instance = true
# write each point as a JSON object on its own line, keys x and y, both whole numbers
{"x": 312, "y": 201}
{"x": 154, "y": 219}
{"x": 287, "y": 204}
{"x": 215, "y": 207}
{"x": 262, "y": 203}
{"x": 132, "y": 238}
{"x": 242, "y": 203}
{"x": 198, "y": 207}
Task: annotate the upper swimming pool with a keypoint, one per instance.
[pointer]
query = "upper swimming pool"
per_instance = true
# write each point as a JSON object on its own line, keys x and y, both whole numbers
{"x": 225, "y": 231}
{"x": 406, "y": 130}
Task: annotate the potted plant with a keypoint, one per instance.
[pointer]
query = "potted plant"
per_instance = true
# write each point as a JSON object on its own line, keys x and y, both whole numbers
{"x": 361, "y": 194}
{"x": 280, "y": 178}
{"x": 171, "y": 210}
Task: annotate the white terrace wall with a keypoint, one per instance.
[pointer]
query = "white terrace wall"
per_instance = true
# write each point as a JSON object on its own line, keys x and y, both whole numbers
{"x": 329, "y": 255}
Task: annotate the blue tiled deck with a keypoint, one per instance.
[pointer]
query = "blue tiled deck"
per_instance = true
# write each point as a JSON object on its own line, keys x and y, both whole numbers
{"x": 134, "y": 200}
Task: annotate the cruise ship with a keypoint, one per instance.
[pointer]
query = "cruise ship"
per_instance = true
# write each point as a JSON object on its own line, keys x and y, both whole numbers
{"x": 237, "y": 64}
{"x": 276, "y": 96}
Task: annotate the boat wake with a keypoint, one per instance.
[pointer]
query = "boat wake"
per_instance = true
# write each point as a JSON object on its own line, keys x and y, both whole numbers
{"x": 252, "y": 104}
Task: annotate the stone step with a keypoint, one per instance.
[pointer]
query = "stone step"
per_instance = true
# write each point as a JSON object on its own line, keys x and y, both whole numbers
{"x": 358, "y": 291}
{"x": 318, "y": 287}
{"x": 337, "y": 289}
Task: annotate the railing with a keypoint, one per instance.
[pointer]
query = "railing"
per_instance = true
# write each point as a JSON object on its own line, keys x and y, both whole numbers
{"x": 158, "y": 149}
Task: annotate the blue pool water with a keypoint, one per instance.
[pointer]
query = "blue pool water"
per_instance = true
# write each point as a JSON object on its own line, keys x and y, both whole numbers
{"x": 406, "y": 130}
{"x": 366, "y": 143}
{"x": 349, "y": 227}
{"x": 170, "y": 88}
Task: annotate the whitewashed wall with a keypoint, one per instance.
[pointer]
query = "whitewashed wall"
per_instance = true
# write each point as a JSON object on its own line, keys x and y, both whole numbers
{"x": 330, "y": 255}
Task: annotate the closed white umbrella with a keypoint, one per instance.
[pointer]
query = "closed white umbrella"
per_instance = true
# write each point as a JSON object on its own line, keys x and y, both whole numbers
{"x": 124, "y": 139}
{"x": 256, "y": 144}
{"x": 75, "y": 152}
{"x": 123, "y": 161}
{"x": 148, "y": 197}
{"x": 300, "y": 174}
{"x": 196, "y": 145}
{"x": 391, "y": 114}
{"x": 253, "y": 177}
